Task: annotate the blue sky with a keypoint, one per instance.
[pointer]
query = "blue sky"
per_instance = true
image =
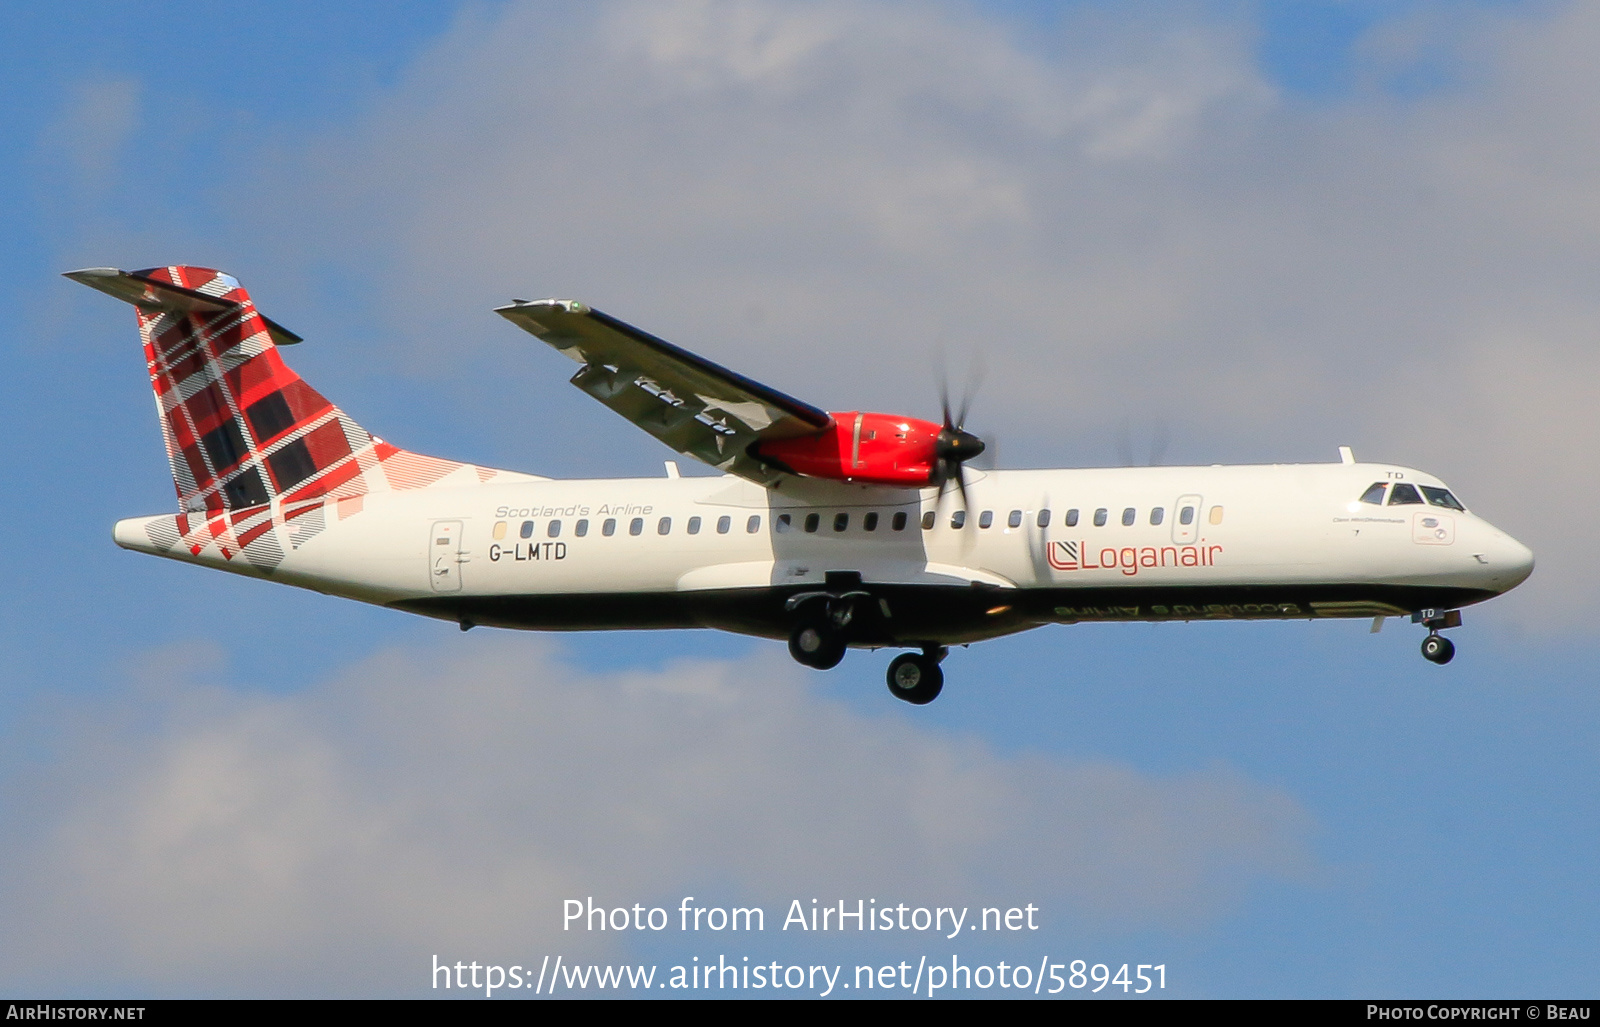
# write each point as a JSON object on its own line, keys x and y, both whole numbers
{"x": 1260, "y": 230}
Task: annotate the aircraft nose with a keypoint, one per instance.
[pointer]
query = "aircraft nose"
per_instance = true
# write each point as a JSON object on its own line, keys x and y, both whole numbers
{"x": 1509, "y": 561}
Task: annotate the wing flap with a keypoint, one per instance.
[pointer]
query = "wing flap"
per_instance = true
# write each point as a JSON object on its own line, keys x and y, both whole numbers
{"x": 697, "y": 407}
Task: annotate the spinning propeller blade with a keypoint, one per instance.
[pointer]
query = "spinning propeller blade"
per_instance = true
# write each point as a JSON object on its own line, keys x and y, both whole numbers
{"x": 956, "y": 445}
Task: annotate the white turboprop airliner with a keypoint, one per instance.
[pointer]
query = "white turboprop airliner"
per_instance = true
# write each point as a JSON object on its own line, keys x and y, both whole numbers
{"x": 833, "y": 530}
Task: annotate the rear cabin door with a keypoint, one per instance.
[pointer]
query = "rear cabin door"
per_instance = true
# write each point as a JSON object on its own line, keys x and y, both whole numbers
{"x": 444, "y": 556}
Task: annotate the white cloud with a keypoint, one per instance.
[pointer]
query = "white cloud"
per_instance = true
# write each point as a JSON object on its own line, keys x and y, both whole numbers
{"x": 199, "y": 838}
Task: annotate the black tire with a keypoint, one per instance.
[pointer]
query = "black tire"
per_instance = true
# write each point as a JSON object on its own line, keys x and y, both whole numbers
{"x": 815, "y": 645}
{"x": 915, "y": 679}
{"x": 1438, "y": 649}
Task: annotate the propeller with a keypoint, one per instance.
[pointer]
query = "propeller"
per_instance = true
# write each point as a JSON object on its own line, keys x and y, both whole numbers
{"x": 955, "y": 445}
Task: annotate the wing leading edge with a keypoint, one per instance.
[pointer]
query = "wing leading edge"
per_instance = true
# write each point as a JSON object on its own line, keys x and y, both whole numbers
{"x": 698, "y": 408}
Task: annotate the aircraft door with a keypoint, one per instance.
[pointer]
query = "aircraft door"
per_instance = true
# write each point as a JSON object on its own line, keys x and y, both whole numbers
{"x": 1186, "y": 520}
{"x": 444, "y": 556}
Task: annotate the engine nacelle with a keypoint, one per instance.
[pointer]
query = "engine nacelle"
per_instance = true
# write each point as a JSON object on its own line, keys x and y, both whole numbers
{"x": 880, "y": 449}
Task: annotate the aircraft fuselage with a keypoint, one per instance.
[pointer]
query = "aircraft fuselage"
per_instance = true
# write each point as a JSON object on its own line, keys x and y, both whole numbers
{"x": 1175, "y": 543}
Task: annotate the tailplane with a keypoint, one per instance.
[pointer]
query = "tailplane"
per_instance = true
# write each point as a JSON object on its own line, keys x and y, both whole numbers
{"x": 252, "y": 446}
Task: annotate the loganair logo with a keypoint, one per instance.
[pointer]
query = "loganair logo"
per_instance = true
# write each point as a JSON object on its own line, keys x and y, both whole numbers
{"x": 1073, "y": 555}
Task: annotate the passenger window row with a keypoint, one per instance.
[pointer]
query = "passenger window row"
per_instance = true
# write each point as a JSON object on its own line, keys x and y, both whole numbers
{"x": 840, "y": 522}
{"x": 608, "y": 527}
{"x": 1129, "y": 516}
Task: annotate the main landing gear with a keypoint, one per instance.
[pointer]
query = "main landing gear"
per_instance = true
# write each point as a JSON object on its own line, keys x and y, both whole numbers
{"x": 817, "y": 643}
{"x": 1436, "y": 648}
{"x": 827, "y": 620}
{"x": 916, "y": 677}
{"x": 824, "y": 617}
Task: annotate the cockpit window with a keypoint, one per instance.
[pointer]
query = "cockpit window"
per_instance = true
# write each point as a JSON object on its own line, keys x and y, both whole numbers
{"x": 1404, "y": 494}
{"x": 1374, "y": 494}
{"x": 1442, "y": 497}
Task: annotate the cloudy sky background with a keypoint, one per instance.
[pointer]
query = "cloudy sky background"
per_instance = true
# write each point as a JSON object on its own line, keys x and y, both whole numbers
{"x": 1216, "y": 232}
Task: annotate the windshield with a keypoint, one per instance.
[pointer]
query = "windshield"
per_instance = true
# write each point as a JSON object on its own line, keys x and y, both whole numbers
{"x": 1442, "y": 497}
{"x": 1404, "y": 494}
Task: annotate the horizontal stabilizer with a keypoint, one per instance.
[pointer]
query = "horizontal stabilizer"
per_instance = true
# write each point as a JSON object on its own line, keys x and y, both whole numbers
{"x": 152, "y": 294}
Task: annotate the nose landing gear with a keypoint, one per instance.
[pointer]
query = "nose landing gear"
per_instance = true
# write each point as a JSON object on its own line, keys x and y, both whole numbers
{"x": 1436, "y": 648}
{"x": 916, "y": 677}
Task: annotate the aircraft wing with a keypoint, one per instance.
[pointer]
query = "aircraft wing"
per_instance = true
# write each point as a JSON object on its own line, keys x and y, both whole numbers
{"x": 699, "y": 408}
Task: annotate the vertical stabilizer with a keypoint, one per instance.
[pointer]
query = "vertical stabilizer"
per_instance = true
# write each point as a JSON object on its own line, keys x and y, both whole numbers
{"x": 253, "y": 448}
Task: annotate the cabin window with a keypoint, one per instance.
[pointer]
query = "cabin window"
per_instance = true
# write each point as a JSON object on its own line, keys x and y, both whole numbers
{"x": 1014, "y": 519}
{"x": 782, "y": 524}
{"x": 927, "y": 521}
{"x": 1128, "y": 517}
{"x": 841, "y": 521}
{"x": 1157, "y": 515}
{"x": 1043, "y": 520}
{"x": 812, "y": 521}
{"x": 581, "y": 529}
{"x": 986, "y": 518}
{"x": 694, "y": 526}
{"x": 664, "y": 525}
{"x": 724, "y": 524}
{"x": 1404, "y": 494}
{"x": 958, "y": 519}
{"x": 609, "y": 528}
{"x": 1186, "y": 515}
{"x": 1442, "y": 497}
{"x": 898, "y": 521}
{"x": 1072, "y": 518}
{"x": 1374, "y": 493}
{"x": 870, "y": 522}
{"x": 499, "y": 530}
{"x": 753, "y": 525}
{"x": 526, "y": 531}
{"x": 1216, "y": 515}
{"x": 636, "y": 526}
{"x": 553, "y": 529}
{"x": 1100, "y": 517}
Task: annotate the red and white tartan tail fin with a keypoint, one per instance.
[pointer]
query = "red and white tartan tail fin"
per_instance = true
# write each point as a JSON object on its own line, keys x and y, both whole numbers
{"x": 247, "y": 438}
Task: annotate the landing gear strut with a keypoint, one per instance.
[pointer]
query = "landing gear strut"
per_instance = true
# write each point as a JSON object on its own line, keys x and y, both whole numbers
{"x": 916, "y": 677}
{"x": 1436, "y": 648}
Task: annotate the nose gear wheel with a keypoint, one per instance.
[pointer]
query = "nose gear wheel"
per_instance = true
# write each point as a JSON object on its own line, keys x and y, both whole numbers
{"x": 1438, "y": 649}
